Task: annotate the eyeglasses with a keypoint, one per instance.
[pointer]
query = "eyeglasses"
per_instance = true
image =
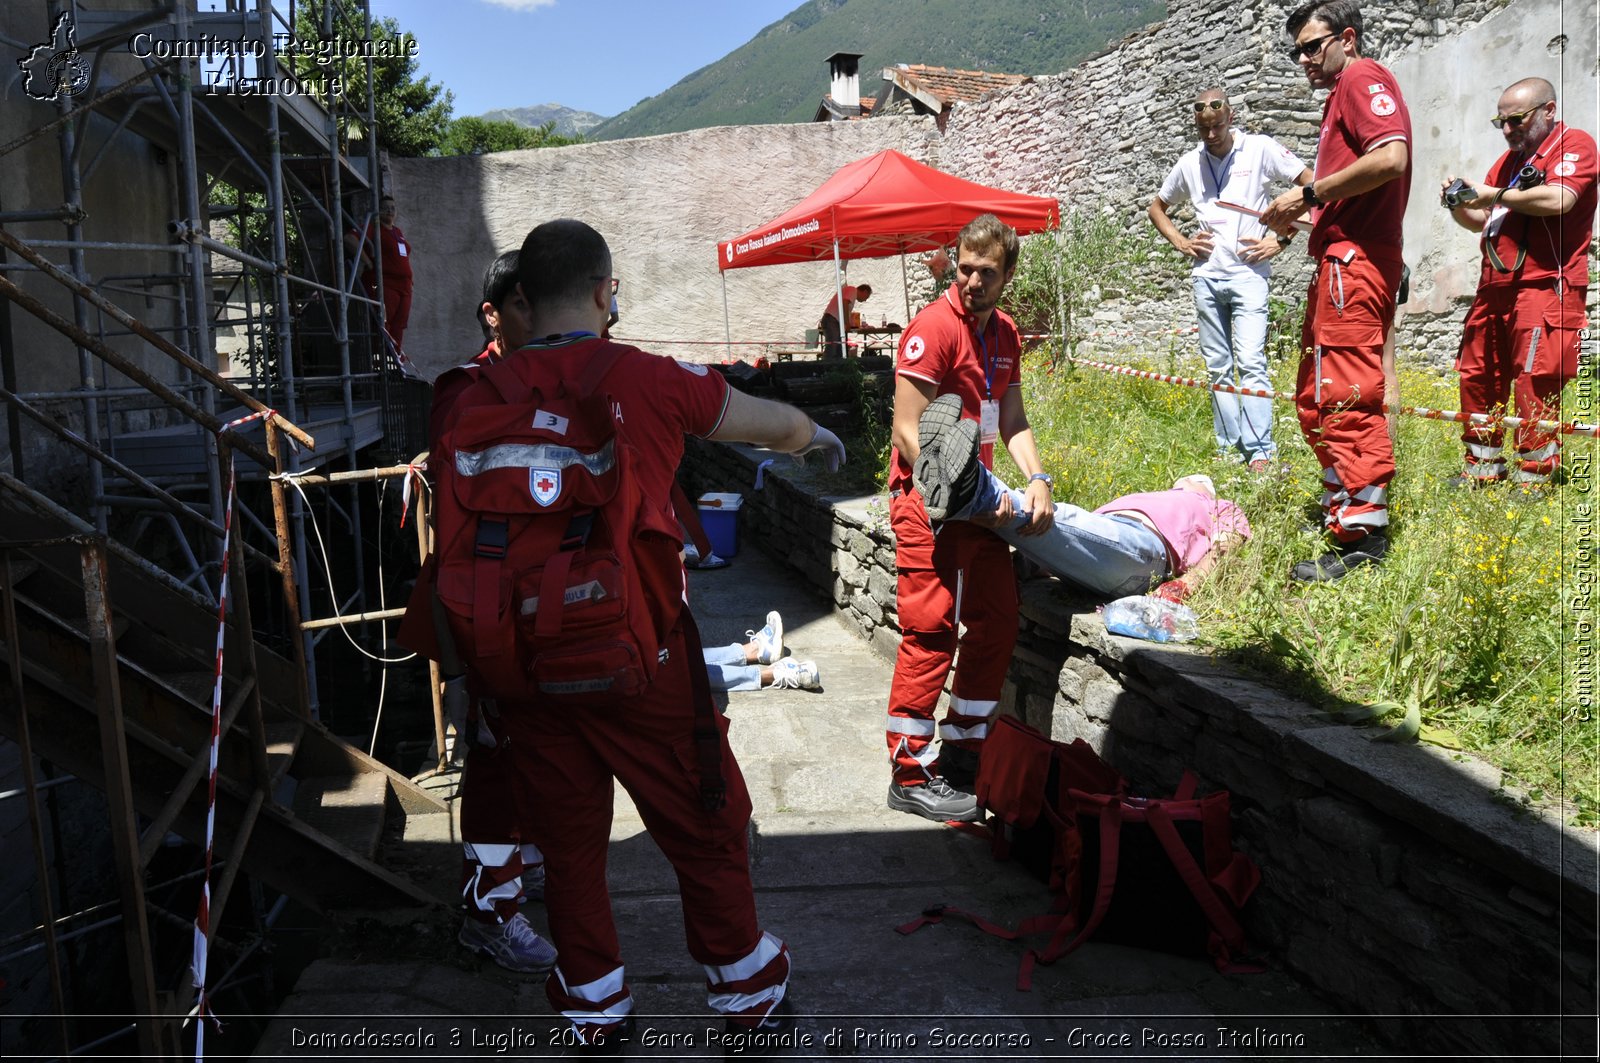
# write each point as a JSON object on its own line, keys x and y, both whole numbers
{"x": 1514, "y": 120}
{"x": 1216, "y": 105}
{"x": 615, "y": 283}
{"x": 1311, "y": 49}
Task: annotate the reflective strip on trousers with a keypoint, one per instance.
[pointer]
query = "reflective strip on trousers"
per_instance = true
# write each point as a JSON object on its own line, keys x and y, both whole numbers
{"x": 951, "y": 733}
{"x": 758, "y": 959}
{"x": 1544, "y": 453}
{"x": 602, "y": 988}
{"x": 908, "y": 725}
{"x": 1485, "y": 453}
{"x": 973, "y": 707}
{"x": 1533, "y": 347}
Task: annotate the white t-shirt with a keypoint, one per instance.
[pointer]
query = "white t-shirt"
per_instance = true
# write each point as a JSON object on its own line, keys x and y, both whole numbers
{"x": 1244, "y": 176}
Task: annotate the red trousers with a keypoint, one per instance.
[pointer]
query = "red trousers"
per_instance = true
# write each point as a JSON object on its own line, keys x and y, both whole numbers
{"x": 1339, "y": 394}
{"x": 961, "y": 576}
{"x": 1521, "y": 339}
{"x": 494, "y": 818}
{"x": 572, "y": 756}
{"x": 396, "y": 309}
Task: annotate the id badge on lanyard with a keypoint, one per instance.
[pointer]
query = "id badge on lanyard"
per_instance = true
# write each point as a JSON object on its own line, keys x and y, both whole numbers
{"x": 989, "y": 409}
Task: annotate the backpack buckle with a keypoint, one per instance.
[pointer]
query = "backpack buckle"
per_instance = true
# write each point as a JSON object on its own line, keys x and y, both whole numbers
{"x": 491, "y": 540}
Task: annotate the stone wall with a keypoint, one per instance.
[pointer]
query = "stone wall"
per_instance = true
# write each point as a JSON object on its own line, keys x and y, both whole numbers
{"x": 1397, "y": 879}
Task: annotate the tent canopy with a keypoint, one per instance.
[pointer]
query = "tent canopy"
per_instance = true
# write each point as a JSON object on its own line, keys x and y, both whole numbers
{"x": 885, "y": 204}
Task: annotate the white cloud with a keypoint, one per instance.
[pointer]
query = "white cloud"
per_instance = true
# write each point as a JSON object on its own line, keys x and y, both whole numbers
{"x": 522, "y": 5}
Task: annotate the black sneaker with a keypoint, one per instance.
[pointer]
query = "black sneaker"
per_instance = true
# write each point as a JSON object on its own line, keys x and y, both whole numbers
{"x": 958, "y": 767}
{"x": 1370, "y": 549}
{"x": 946, "y": 472}
{"x": 740, "y": 1040}
{"x": 935, "y": 799}
{"x": 941, "y": 415}
{"x": 604, "y": 1041}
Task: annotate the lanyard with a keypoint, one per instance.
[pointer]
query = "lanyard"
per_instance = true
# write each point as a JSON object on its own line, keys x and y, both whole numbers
{"x": 1227, "y": 165}
{"x": 988, "y": 364}
{"x": 559, "y": 339}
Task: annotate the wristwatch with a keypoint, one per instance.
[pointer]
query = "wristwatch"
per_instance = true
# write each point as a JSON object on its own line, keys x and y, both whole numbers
{"x": 1308, "y": 192}
{"x": 1049, "y": 481}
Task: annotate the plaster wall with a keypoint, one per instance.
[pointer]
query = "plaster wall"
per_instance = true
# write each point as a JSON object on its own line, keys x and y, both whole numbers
{"x": 662, "y": 203}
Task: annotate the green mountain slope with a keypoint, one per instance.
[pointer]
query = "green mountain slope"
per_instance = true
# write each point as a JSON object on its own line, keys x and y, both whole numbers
{"x": 781, "y": 75}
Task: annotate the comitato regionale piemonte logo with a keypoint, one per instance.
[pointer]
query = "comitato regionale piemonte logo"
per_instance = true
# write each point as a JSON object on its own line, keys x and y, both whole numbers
{"x": 55, "y": 68}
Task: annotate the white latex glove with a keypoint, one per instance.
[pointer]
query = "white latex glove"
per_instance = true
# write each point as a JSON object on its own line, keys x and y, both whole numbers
{"x": 828, "y": 444}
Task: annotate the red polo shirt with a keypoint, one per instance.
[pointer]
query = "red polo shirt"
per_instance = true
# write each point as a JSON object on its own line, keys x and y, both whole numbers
{"x": 1364, "y": 112}
{"x": 942, "y": 346}
{"x": 1557, "y": 244}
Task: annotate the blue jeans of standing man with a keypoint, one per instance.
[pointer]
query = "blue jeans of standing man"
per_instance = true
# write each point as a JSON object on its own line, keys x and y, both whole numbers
{"x": 1233, "y": 341}
{"x": 1111, "y": 555}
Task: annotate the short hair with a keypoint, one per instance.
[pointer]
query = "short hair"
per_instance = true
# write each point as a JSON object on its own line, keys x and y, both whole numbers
{"x": 560, "y": 261}
{"x": 1337, "y": 15}
{"x": 986, "y": 230}
{"x": 863, "y": 289}
{"x": 500, "y": 280}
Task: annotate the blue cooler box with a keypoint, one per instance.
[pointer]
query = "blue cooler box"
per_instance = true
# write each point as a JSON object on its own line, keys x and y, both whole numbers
{"x": 719, "y": 515}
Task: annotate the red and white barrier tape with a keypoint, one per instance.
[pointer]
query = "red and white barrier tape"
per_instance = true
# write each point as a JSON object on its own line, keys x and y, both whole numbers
{"x": 1490, "y": 420}
{"x": 414, "y": 471}
{"x": 202, "y": 919}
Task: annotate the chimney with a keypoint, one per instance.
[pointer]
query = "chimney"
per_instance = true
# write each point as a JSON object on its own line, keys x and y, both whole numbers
{"x": 844, "y": 69}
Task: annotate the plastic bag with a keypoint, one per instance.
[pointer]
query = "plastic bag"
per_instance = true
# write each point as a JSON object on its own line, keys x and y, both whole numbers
{"x": 1142, "y": 616}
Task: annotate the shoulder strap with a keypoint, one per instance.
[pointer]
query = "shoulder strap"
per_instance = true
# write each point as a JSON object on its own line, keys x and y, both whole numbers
{"x": 707, "y": 735}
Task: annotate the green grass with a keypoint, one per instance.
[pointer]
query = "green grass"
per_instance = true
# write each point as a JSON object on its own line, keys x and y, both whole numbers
{"x": 1469, "y": 620}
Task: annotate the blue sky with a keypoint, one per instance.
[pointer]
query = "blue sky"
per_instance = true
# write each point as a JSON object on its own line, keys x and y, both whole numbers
{"x": 593, "y": 55}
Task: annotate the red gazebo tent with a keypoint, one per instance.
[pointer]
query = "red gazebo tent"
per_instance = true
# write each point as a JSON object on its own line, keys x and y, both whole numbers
{"x": 885, "y": 204}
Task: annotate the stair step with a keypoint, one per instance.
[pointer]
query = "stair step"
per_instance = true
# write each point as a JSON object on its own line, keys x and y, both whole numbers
{"x": 348, "y": 809}
{"x": 21, "y": 569}
{"x": 283, "y": 741}
{"x": 195, "y": 687}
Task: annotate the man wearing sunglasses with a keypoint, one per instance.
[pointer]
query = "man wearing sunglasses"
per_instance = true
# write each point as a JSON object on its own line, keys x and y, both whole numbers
{"x": 1232, "y": 253}
{"x": 1357, "y": 204}
{"x": 1536, "y": 214}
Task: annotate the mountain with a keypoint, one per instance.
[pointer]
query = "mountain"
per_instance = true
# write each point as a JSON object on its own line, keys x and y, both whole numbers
{"x": 568, "y": 121}
{"x": 782, "y": 74}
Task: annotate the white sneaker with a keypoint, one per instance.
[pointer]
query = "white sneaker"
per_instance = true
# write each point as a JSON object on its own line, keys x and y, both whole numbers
{"x": 790, "y": 674}
{"x": 514, "y": 944}
{"x": 769, "y": 640}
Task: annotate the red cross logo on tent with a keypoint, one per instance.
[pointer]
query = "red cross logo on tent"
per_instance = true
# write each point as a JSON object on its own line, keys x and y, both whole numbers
{"x": 545, "y": 484}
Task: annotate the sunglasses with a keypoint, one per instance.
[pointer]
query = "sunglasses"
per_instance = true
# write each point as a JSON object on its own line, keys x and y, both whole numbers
{"x": 1216, "y": 105}
{"x": 615, "y": 283}
{"x": 1311, "y": 49}
{"x": 1514, "y": 120}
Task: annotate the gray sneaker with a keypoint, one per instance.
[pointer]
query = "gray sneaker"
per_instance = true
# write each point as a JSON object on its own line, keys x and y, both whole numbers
{"x": 947, "y": 470}
{"x": 513, "y": 944}
{"x": 935, "y": 799}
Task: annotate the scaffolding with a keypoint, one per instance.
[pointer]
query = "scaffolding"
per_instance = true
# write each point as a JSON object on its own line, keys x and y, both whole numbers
{"x": 262, "y": 188}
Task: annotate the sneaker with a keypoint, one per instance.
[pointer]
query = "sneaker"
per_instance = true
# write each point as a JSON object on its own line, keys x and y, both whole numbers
{"x": 513, "y": 944}
{"x": 935, "y": 799}
{"x": 765, "y": 1038}
{"x": 532, "y": 885}
{"x": 1370, "y": 549}
{"x": 1463, "y": 482}
{"x": 769, "y": 640}
{"x": 947, "y": 471}
{"x": 790, "y": 674}
{"x": 596, "y": 1040}
{"x": 941, "y": 415}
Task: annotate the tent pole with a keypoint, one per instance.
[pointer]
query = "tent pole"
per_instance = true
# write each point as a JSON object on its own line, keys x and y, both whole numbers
{"x": 1061, "y": 297}
{"x": 727, "y": 329}
{"x": 838, "y": 287}
{"x": 905, "y": 284}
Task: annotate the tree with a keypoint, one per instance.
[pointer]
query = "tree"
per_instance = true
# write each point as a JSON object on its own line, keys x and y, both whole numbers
{"x": 412, "y": 113}
{"x": 480, "y": 136}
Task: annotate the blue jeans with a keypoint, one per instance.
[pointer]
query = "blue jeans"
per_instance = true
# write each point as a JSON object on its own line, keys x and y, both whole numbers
{"x": 1113, "y": 556}
{"x": 727, "y": 669}
{"x": 1233, "y": 339}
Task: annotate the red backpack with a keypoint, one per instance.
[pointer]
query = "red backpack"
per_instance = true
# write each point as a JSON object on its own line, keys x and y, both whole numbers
{"x": 540, "y": 526}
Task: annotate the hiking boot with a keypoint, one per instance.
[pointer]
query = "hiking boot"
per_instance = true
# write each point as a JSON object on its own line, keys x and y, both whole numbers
{"x": 947, "y": 471}
{"x": 1337, "y": 563}
{"x": 741, "y": 1040}
{"x": 769, "y": 640}
{"x": 790, "y": 674}
{"x": 935, "y": 799}
{"x": 958, "y": 767}
{"x": 513, "y": 944}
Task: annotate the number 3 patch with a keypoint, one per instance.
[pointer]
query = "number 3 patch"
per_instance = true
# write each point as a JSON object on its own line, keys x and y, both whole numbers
{"x": 1383, "y": 105}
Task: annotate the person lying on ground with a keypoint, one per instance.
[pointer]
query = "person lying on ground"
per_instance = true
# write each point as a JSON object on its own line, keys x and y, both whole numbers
{"x": 759, "y": 663}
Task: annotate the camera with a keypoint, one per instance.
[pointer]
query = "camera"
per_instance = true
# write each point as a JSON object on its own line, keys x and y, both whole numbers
{"x": 1528, "y": 177}
{"x": 1457, "y": 193}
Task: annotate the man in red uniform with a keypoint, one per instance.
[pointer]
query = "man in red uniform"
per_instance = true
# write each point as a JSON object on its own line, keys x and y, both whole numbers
{"x": 961, "y": 345}
{"x": 649, "y": 743}
{"x": 1358, "y": 201}
{"x": 1536, "y": 214}
{"x": 388, "y": 245}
